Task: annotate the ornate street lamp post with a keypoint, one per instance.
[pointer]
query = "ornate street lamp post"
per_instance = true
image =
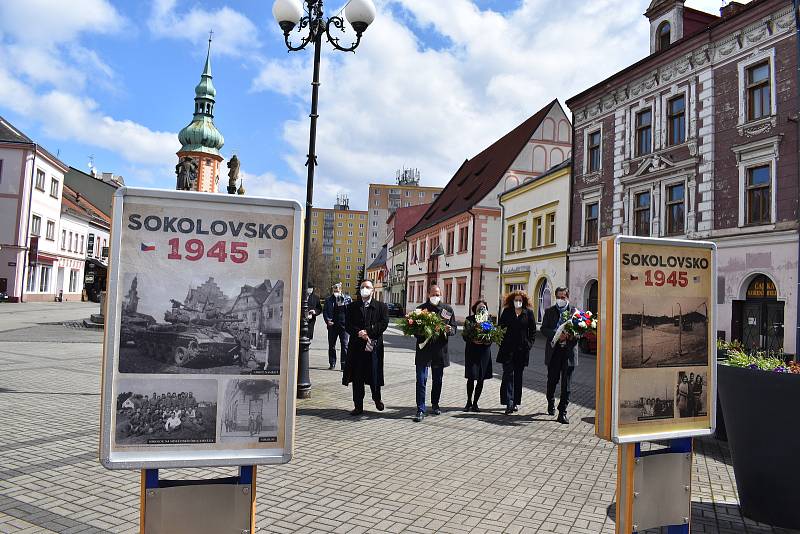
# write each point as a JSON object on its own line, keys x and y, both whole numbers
{"x": 312, "y": 26}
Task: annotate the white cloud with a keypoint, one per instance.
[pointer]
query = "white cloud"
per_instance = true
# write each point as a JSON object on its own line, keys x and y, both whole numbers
{"x": 234, "y": 33}
{"x": 50, "y": 22}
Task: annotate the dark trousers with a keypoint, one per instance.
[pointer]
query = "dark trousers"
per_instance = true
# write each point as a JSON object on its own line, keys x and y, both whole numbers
{"x": 334, "y": 333}
{"x": 358, "y": 393}
{"x": 559, "y": 370}
{"x": 511, "y": 385}
{"x": 422, "y": 382}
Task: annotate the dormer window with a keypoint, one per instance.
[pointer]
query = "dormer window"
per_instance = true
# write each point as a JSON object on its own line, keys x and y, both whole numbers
{"x": 663, "y": 35}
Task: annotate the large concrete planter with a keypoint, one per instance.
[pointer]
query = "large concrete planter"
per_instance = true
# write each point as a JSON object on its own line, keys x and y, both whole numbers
{"x": 762, "y": 419}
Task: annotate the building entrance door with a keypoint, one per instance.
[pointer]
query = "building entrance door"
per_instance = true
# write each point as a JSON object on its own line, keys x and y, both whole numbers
{"x": 759, "y": 324}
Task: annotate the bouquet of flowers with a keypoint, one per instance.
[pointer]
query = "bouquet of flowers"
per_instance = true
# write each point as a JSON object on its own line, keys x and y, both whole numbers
{"x": 484, "y": 330}
{"x": 576, "y": 324}
{"x": 424, "y": 324}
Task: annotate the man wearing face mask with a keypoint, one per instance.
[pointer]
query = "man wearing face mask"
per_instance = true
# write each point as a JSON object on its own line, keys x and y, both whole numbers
{"x": 562, "y": 358}
{"x": 335, "y": 314}
{"x": 367, "y": 319}
{"x": 434, "y": 354}
{"x": 314, "y": 309}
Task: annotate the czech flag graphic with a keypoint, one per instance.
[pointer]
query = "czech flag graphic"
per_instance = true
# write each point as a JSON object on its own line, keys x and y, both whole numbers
{"x": 148, "y": 248}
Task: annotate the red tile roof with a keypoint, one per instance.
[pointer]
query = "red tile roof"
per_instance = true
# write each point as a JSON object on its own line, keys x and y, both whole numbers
{"x": 405, "y": 218}
{"x": 478, "y": 176}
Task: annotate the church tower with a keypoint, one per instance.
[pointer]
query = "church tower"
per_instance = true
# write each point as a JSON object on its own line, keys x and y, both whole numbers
{"x": 201, "y": 140}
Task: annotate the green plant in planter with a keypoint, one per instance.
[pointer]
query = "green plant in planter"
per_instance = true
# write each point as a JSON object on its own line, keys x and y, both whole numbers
{"x": 759, "y": 361}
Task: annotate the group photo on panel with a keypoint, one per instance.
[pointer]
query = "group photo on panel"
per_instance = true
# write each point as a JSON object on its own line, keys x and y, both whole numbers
{"x": 356, "y": 327}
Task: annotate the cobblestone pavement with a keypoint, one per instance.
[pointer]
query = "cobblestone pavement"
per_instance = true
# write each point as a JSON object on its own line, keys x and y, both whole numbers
{"x": 453, "y": 473}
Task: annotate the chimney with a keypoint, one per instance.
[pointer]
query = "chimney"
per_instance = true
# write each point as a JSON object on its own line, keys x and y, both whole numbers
{"x": 731, "y": 9}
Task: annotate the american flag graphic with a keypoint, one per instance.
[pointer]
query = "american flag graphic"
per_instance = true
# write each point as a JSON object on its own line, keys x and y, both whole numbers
{"x": 265, "y": 253}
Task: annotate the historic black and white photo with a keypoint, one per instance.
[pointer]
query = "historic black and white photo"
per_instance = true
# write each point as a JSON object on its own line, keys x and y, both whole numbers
{"x": 663, "y": 331}
{"x": 646, "y": 400}
{"x": 250, "y": 409}
{"x": 691, "y": 393}
{"x": 157, "y": 411}
{"x": 206, "y": 326}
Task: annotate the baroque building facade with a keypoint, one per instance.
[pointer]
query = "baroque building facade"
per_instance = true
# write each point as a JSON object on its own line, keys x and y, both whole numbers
{"x": 699, "y": 140}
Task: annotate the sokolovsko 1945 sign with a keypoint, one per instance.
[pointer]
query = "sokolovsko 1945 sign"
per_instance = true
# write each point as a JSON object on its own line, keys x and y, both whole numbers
{"x": 201, "y": 322}
{"x": 657, "y": 347}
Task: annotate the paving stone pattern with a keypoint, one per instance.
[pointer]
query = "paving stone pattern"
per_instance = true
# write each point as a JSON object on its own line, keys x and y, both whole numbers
{"x": 379, "y": 473}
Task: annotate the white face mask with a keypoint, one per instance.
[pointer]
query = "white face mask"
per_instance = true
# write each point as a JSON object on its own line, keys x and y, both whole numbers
{"x": 481, "y": 310}
{"x": 517, "y": 304}
{"x": 310, "y": 290}
{"x": 435, "y": 300}
{"x": 562, "y": 303}
{"x": 366, "y": 292}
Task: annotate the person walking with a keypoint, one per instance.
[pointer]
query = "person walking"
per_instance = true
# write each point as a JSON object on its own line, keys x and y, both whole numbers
{"x": 335, "y": 313}
{"x": 433, "y": 354}
{"x": 314, "y": 309}
{"x": 515, "y": 350}
{"x": 561, "y": 358}
{"x": 367, "y": 320}
{"x": 477, "y": 358}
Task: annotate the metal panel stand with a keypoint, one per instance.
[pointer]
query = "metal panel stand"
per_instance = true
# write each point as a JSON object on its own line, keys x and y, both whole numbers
{"x": 654, "y": 488}
{"x": 210, "y": 506}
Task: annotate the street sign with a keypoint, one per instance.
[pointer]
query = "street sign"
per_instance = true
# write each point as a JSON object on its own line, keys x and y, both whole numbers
{"x": 200, "y": 345}
{"x": 657, "y": 348}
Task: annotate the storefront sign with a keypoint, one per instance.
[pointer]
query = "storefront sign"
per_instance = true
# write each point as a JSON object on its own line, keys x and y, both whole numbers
{"x": 202, "y": 326}
{"x": 511, "y": 269}
{"x": 657, "y": 351}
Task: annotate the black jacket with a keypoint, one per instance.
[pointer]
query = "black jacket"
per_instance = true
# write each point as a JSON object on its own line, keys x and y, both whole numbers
{"x": 336, "y": 311}
{"x": 549, "y": 327}
{"x": 520, "y": 334}
{"x": 435, "y": 352}
{"x": 314, "y": 307}
{"x": 368, "y": 365}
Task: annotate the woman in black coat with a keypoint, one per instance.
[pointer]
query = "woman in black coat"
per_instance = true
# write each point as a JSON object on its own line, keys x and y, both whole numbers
{"x": 515, "y": 350}
{"x": 477, "y": 358}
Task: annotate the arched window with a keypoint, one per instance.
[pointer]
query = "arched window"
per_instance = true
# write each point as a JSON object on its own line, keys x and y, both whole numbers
{"x": 591, "y": 297}
{"x": 543, "y": 298}
{"x": 663, "y": 35}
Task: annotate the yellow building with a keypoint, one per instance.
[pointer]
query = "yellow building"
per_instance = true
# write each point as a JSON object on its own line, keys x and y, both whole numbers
{"x": 340, "y": 234}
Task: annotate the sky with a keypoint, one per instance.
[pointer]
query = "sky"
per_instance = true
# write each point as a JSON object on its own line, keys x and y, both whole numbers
{"x": 432, "y": 83}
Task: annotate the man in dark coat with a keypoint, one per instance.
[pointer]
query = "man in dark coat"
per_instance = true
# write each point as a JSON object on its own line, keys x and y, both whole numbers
{"x": 367, "y": 319}
{"x": 562, "y": 358}
{"x": 314, "y": 309}
{"x": 335, "y": 313}
{"x": 434, "y": 354}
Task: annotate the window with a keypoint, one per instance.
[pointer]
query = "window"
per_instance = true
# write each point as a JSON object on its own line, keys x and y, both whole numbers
{"x": 347, "y": 276}
{"x": 435, "y": 196}
{"x": 340, "y": 225}
{"x": 537, "y": 232}
{"x": 676, "y": 121}
{"x": 759, "y": 196}
{"x": 451, "y": 242}
{"x": 338, "y": 258}
{"x": 81, "y": 249}
{"x": 590, "y": 229}
{"x": 350, "y": 234}
{"x": 422, "y": 251}
{"x": 372, "y": 256}
{"x": 675, "y": 209}
{"x": 351, "y": 216}
{"x": 594, "y": 151}
{"x": 347, "y": 267}
{"x": 361, "y": 225}
{"x": 641, "y": 214}
{"x": 522, "y": 235}
{"x": 421, "y": 193}
{"x": 411, "y": 292}
{"x": 64, "y": 239}
{"x": 375, "y": 212}
{"x": 36, "y": 225}
{"x": 663, "y": 36}
{"x": 461, "y": 291}
{"x": 408, "y": 193}
{"x": 463, "y": 234}
{"x": 73, "y": 281}
{"x": 44, "y": 278}
{"x": 551, "y": 228}
{"x": 349, "y": 250}
{"x": 758, "y": 91}
{"x": 543, "y": 298}
{"x": 53, "y": 187}
{"x": 511, "y": 238}
{"x": 644, "y": 130}
{"x": 408, "y": 204}
{"x": 376, "y": 203}
{"x": 51, "y": 230}
{"x": 374, "y": 224}
{"x": 360, "y": 243}
{"x": 30, "y": 286}
{"x": 39, "y": 180}
{"x": 377, "y": 191}
{"x": 448, "y": 291}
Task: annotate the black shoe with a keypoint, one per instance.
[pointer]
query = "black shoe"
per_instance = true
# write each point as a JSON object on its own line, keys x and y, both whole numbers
{"x": 551, "y": 407}
{"x": 475, "y": 407}
{"x": 331, "y": 368}
{"x": 516, "y": 408}
{"x": 562, "y": 418}
{"x": 357, "y": 411}
{"x": 510, "y": 410}
{"x": 379, "y": 406}
{"x": 436, "y": 411}
{"x": 419, "y": 417}
{"x": 468, "y": 407}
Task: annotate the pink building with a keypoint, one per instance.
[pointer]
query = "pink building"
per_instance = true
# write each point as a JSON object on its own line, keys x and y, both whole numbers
{"x": 456, "y": 243}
